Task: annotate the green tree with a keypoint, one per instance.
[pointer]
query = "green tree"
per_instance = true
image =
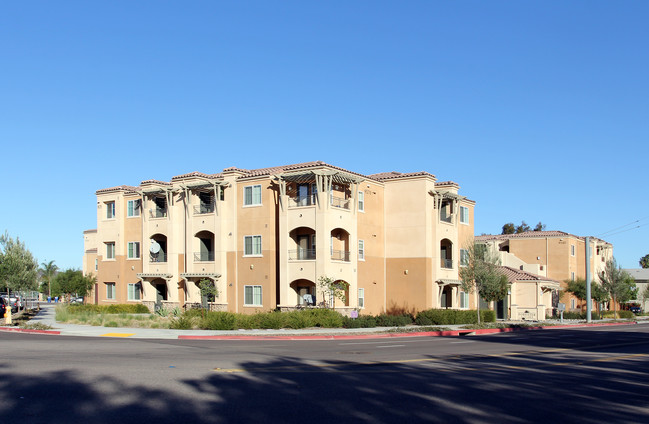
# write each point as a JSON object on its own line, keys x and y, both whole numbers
{"x": 332, "y": 289}
{"x": 644, "y": 296}
{"x": 481, "y": 274}
{"x": 539, "y": 227}
{"x": 617, "y": 283}
{"x": 509, "y": 228}
{"x": 18, "y": 268}
{"x": 72, "y": 281}
{"x": 208, "y": 290}
{"x": 522, "y": 228}
{"x": 644, "y": 261}
{"x": 48, "y": 271}
{"x": 578, "y": 289}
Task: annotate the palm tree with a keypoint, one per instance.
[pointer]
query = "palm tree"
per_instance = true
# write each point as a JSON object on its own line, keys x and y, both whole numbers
{"x": 48, "y": 271}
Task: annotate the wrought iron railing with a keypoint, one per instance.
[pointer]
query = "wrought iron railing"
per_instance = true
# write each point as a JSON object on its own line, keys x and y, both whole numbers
{"x": 301, "y": 255}
{"x": 340, "y": 255}
{"x": 340, "y": 202}
{"x": 204, "y": 208}
{"x": 447, "y": 263}
{"x": 203, "y": 256}
{"x": 298, "y": 201}
{"x": 158, "y": 257}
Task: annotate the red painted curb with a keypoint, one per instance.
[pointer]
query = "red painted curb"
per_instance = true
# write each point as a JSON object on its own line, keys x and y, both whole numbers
{"x": 392, "y": 335}
{"x": 28, "y": 330}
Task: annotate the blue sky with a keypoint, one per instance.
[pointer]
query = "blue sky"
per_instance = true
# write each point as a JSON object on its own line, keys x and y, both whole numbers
{"x": 538, "y": 109}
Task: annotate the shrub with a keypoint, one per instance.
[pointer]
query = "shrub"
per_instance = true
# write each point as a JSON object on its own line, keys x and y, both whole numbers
{"x": 620, "y": 314}
{"x": 181, "y": 323}
{"x": 299, "y": 319}
{"x": 384, "y": 320}
{"x": 219, "y": 321}
{"x": 325, "y": 318}
{"x": 453, "y": 317}
{"x": 363, "y": 321}
{"x": 274, "y": 320}
{"x": 137, "y": 308}
{"x": 111, "y": 324}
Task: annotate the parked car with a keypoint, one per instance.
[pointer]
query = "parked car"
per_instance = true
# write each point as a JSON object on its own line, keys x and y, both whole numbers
{"x": 3, "y": 308}
{"x": 76, "y": 299}
{"x": 11, "y": 302}
{"x": 635, "y": 309}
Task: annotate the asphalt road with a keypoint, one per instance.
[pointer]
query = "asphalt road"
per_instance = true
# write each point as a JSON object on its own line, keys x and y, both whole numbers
{"x": 585, "y": 375}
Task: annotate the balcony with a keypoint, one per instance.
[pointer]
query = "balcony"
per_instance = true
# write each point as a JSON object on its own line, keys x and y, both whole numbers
{"x": 158, "y": 257}
{"x": 340, "y": 202}
{"x": 301, "y": 255}
{"x": 300, "y": 201}
{"x": 340, "y": 255}
{"x": 204, "y": 257}
{"x": 204, "y": 208}
{"x": 158, "y": 213}
{"x": 447, "y": 263}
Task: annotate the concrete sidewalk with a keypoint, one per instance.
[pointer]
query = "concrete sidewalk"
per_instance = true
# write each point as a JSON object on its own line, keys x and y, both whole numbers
{"x": 47, "y": 316}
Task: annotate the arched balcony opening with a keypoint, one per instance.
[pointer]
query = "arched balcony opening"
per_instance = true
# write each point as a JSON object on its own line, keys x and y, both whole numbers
{"x": 160, "y": 290}
{"x": 340, "y": 245}
{"x": 305, "y": 292}
{"x": 446, "y": 254}
{"x": 205, "y": 248}
{"x": 303, "y": 245}
{"x": 158, "y": 248}
{"x": 343, "y": 288}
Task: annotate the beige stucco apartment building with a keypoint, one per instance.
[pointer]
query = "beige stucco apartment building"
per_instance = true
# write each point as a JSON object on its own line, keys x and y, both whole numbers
{"x": 266, "y": 236}
{"x": 556, "y": 255}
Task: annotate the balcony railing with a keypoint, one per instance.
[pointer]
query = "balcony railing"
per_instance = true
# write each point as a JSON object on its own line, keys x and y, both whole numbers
{"x": 445, "y": 218}
{"x": 340, "y": 255}
{"x": 158, "y": 257}
{"x": 158, "y": 213}
{"x": 340, "y": 202}
{"x": 203, "y": 208}
{"x": 296, "y": 202}
{"x": 447, "y": 263}
{"x": 203, "y": 256}
{"x": 301, "y": 255}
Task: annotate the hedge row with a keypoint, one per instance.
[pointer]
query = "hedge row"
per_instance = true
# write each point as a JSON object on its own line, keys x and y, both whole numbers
{"x": 453, "y": 316}
{"x": 137, "y": 308}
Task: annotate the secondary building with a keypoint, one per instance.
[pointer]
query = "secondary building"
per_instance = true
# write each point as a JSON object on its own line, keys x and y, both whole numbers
{"x": 265, "y": 238}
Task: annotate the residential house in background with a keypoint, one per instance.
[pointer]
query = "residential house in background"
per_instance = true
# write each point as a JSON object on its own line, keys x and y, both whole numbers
{"x": 641, "y": 277}
{"x": 265, "y": 237}
{"x": 555, "y": 255}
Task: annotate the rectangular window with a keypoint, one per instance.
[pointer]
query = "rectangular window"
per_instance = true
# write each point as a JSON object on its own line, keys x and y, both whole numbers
{"x": 110, "y": 210}
{"x": 572, "y": 250}
{"x": 572, "y": 303}
{"x": 361, "y": 201}
{"x": 361, "y": 298}
{"x": 110, "y": 291}
{"x": 252, "y": 195}
{"x": 133, "y": 249}
{"x": 572, "y": 276}
{"x": 464, "y": 215}
{"x": 134, "y": 291}
{"x": 464, "y": 257}
{"x": 133, "y": 208}
{"x": 96, "y": 264}
{"x": 110, "y": 250}
{"x": 361, "y": 250}
{"x": 464, "y": 300}
{"x": 252, "y": 295}
{"x": 252, "y": 246}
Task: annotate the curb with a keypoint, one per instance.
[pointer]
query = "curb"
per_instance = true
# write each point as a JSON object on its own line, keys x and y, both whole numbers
{"x": 445, "y": 333}
{"x": 28, "y": 330}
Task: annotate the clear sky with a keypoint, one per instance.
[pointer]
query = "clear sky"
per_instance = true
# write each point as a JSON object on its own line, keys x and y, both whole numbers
{"x": 538, "y": 109}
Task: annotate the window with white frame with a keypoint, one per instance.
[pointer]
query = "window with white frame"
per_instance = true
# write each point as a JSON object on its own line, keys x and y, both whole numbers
{"x": 252, "y": 295}
{"x": 572, "y": 303}
{"x": 252, "y": 195}
{"x": 361, "y": 250}
{"x": 110, "y": 291}
{"x": 572, "y": 276}
{"x": 361, "y": 201}
{"x": 361, "y": 298}
{"x": 464, "y": 215}
{"x": 133, "y": 208}
{"x": 110, "y": 210}
{"x": 252, "y": 246}
{"x": 572, "y": 250}
{"x": 464, "y": 257}
{"x": 464, "y": 300}
{"x": 134, "y": 250}
{"x": 110, "y": 250}
{"x": 96, "y": 264}
{"x": 134, "y": 291}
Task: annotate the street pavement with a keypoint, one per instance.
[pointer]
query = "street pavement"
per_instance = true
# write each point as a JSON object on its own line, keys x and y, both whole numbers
{"x": 46, "y": 316}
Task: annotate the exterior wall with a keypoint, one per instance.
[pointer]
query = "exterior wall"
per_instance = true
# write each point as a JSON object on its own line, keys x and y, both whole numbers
{"x": 371, "y": 270}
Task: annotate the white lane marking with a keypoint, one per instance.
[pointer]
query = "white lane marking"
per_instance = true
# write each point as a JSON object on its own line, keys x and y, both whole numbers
{"x": 469, "y": 341}
{"x": 379, "y": 347}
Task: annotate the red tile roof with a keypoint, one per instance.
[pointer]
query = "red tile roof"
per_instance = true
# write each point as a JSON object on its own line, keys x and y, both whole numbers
{"x": 124, "y": 188}
{"x": 531, "y": 234}
{"x": 514, "y": 274}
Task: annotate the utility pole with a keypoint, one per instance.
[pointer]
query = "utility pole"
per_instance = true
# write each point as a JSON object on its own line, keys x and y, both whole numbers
{"x": 589, "y": 302}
